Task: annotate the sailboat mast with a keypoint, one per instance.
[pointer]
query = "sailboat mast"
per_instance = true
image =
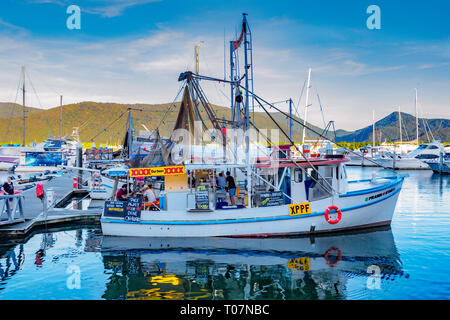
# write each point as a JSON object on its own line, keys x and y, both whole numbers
{"x": 130, "y": 134}
{"x": 306, "y": 105}
{"x": 23, "y": 106}
{"x": 417, "y": 117}
{"x": 400, "y": 124}
{"x": 373, "y": 128}
{"x": 60, "y": 116}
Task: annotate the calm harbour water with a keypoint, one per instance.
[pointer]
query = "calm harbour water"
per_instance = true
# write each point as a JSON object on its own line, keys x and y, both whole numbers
{"x": 407, "y": 261}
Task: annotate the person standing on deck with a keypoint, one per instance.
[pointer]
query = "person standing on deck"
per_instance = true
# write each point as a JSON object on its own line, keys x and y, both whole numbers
{"x": 8, "y": 189}
{"x": 221, "y": 181}
{"x": 231, "y": 186}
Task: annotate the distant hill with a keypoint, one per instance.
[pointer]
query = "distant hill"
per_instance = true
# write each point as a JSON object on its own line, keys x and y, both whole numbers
{"x": 11, "y": 110}
{"x": 388, "y": 129}
{"x": 97, "y": 121}
{"x": 106, "y": 123}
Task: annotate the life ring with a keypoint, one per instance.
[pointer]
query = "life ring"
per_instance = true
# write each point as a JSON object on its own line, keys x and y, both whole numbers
{"x": 327, "y": 214}
{"x": 338, "y": 258}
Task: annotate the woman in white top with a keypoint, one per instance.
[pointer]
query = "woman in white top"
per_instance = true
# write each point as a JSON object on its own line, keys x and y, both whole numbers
{"x": 149, "y": 194}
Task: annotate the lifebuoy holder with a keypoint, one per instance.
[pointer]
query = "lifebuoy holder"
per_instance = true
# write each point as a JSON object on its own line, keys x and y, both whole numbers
{"x": 327, "y": 217}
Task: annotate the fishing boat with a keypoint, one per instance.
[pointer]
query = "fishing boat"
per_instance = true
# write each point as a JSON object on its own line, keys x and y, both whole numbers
{"x": 276, "y": 195}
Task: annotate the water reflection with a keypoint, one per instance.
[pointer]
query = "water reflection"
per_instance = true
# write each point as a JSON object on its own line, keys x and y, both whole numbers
{"x": 230, "y": 268}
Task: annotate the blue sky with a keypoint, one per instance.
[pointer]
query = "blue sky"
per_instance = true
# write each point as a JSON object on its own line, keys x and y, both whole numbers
{"x": 132, "y": 52}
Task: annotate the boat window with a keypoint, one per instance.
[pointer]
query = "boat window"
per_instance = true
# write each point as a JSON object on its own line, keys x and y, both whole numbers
{"x": 433, "y": 147}
{"x": 337, "y": 172}
{"x": 298, "y": 175}
{"x": 344, "y": 173}
{"x": 328, "y": 172}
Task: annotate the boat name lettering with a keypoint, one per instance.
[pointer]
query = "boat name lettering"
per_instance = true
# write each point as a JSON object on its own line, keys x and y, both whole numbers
{"x": 379, "y": 195}
{"x": 299, "y": 208}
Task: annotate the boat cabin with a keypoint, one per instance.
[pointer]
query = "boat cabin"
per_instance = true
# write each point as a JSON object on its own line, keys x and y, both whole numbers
{"x": 195, "y": 187}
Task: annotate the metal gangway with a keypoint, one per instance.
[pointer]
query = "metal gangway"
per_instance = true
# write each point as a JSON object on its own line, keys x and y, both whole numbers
{"x": 11, "y": 207}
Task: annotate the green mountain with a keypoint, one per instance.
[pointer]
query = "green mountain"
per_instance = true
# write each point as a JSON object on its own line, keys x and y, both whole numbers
{"x": 388, "y": 129}
{"x": 106, "y": 123}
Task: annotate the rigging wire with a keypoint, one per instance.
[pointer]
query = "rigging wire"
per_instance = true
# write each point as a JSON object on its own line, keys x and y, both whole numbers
{"x": 13, "y": 105}
{"x": 317, "y": 133}
{"x": 32, "y": 86}
{"x": 91, "y": 140}
{"x": 293, "y": 144}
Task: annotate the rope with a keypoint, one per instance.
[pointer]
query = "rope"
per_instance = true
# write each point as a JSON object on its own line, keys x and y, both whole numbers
{"x": 108, "y": 126}
{"x": 312, "y": 130}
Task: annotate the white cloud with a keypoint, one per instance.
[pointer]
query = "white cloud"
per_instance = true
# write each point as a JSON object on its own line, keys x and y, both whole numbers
{"x": 145, "y": 69}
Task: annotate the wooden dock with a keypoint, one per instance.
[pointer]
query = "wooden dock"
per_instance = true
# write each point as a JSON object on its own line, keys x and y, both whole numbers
{"x": 57, "y": 216}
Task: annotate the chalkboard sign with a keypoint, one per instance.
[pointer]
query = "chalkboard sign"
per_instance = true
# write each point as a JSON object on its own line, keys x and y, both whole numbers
{"x": 133, "y": 209}
{"x": 114, "y": 209}
{"x": 270, "y": 199}
{"x": 202, "y": 197}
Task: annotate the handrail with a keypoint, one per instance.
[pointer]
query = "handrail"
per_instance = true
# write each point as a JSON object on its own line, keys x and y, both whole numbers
{"x": 16, "y": 201}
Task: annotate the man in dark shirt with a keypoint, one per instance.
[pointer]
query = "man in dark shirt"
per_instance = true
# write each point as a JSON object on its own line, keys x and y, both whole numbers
{"x": 231, "y": 186}
{"x": 122, "y": 193}
{"x": 8, "y": 189}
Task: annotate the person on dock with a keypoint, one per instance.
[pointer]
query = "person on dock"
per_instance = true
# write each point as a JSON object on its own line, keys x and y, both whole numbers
{"x": 8, "y": 189}
{"x": 231, "y": 186}
{"x": 122, "y": 193}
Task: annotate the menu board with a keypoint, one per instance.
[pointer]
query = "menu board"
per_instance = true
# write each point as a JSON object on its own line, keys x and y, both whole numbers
{"x": 202, "y": 197}
{"x": 133, "y": 209}
{"x": 270, "y": 199}
{"x": 114, "y": 209}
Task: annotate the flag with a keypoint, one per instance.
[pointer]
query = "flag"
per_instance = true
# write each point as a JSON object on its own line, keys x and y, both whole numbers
{"x": 237, "y": 43}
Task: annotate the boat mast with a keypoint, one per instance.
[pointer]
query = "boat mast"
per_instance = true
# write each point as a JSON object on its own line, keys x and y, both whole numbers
{"x": 400, "y": 124}
{"x": 247, "y": 51}
{"x": 290, "y": 118}
{"x": 23, "y": 106}
{"x": 60, "y": 116}
{"x": 196, "y": 58}
{"x": 373, "y": 128}
{"x": 306, "y": 105}
{"x": 417, "y": 117}
{"x": 130, "y": 134}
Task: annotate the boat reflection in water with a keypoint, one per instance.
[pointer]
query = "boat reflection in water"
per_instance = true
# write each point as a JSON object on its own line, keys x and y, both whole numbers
{"x": 242, "y": 268}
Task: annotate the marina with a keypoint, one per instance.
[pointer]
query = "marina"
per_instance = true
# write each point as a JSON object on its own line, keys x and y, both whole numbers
{"x": 234, "y": 268}
{"x": 245, "y": 185}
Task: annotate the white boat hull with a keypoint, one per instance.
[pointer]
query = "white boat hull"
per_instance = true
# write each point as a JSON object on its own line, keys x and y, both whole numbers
{"x": 374, "y": 207}
{"x": 404, "y": 164}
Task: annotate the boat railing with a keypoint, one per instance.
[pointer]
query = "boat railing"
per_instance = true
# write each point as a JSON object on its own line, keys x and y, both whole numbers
{"x": 11, "y": 207}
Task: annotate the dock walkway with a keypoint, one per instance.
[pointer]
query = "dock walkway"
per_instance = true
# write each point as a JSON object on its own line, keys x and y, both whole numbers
{"x": 33, "y": 210}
